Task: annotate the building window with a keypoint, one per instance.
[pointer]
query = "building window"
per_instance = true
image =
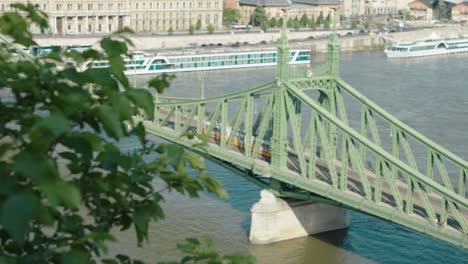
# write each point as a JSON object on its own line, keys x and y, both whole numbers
{"x": 59, "y": 7}
{"x": 69, "y": 7}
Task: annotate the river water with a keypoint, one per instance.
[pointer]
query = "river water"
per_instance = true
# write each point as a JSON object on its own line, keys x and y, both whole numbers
{"x": 430, "y": 94}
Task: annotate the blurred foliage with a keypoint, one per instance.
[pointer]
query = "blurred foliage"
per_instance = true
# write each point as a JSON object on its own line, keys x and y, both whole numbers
{"x": 258, "y": 16}
{"x": 64, "y": 182}
{"x": 231, "y": 16}
{"x": 210, "y": 28}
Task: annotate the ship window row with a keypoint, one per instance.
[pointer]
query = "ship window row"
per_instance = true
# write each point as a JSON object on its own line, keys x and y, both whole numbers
{"x": 238, "y": 60}
{"x": 225, "y": 63}
{"x": 229, "y": 57}
{"x": 399, "y": 49}
{"x": 427, "y": 47}
{"x": 266, "y": 56}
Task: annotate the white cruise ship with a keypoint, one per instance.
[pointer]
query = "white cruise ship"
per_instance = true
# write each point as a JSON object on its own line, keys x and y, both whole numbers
{"x": 142, "y": 63}
{"x": 429, "y": 47}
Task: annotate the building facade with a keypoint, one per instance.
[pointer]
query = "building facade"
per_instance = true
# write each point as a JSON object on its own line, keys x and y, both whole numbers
{"x": 381, "y": 7}
{"x": 353, "y": 8}
{"x": 101, "y": 16}
{"x": 421, "y": 9}
{"x": 314, "y": 8}
{"x": 231, "y": 4}
{"x": 293, "y": 8}
{"x": 460, "y": 12}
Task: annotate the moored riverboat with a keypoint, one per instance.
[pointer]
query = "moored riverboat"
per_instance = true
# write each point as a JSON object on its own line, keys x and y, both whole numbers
{"x": 142, "y": 63}
{"x": 429, "y": 47}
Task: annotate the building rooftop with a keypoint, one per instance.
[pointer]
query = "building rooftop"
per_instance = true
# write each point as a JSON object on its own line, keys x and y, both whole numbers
{"x": 463, "y": 3}
{"x": 428, "y": 3}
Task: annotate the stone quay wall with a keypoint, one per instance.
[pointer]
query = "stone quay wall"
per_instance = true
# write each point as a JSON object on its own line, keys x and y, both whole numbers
{"x": 314, "y": 40}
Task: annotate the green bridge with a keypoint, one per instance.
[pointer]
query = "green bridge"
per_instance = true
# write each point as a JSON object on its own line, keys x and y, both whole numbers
{"x": 302, "y": 145}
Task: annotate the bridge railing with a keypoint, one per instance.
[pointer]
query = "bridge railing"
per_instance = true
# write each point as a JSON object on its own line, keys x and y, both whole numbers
{"x": 222, "y": 119}
{"x": 387, "y": 180}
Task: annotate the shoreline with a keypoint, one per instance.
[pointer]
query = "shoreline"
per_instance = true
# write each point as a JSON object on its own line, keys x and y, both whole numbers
{"x": 316, "y": 41}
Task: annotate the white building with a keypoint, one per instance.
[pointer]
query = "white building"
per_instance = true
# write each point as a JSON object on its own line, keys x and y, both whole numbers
{"x": 94, "y": 16}
{"x": 352, "y": 8}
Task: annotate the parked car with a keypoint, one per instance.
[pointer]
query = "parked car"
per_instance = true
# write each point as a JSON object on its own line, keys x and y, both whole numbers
{"x": 236, "y": 44}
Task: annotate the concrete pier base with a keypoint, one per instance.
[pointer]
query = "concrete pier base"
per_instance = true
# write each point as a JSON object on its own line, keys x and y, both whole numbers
{"x": 274, "y": 219}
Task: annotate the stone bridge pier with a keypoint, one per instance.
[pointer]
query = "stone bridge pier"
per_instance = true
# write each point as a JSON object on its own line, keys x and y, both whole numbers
{"x": 275, "y": 219}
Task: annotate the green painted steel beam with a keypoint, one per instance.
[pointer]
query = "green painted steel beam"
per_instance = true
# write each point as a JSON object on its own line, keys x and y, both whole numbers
{"x": 410, "y": 131}
{"x": 378, "y": 149}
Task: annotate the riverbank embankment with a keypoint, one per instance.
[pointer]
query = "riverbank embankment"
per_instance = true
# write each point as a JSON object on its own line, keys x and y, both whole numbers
{"x": 313, "y": 40}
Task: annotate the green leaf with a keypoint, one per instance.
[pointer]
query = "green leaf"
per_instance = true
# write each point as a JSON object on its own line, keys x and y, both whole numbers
{"x": 214, "y": 186}
{"x": 124, "y": 30}
{"x": 142, "y": 99}
{"x": 110, "y": 121}
{"x": 175, "y": 154}
{"x": 117, "y": 67}
{"x": 141, "y": 219}
{"x": 113, "y": 48}
{"x": 56, "y": 124}
{"x": 195, "y": 161}
{"x": 123, "y": 107}
{"x": 37, "y": 166}
{"x": 43, "y": 215}
{"x": 60, "y": 192}
{"x": 75, "y": 257}
{"x": 161, "y": 82}
{"x": 17, "y": 214}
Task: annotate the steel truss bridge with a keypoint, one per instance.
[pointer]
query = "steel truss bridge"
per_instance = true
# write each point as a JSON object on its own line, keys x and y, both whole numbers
{"x": 317, "y": 138}
{"x": 303, "y": 145}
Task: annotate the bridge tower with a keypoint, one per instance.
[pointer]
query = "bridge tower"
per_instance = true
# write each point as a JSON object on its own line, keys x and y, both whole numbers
{"x": 273, "y": 218}
{"x": 279, "y": 140}
{"x": 334, "y": 51}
